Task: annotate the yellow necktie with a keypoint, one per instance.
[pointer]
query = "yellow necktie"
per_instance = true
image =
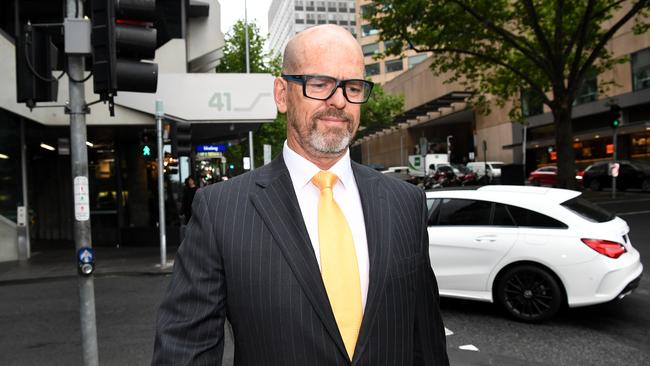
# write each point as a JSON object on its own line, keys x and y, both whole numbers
{"x": 338, "y": 261}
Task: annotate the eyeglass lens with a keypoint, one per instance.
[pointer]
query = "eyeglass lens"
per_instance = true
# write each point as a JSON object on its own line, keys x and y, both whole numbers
{"x": 357, "y": 91}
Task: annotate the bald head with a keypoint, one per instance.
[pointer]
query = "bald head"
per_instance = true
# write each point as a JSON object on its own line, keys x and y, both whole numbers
{"x": 316, "y": 42}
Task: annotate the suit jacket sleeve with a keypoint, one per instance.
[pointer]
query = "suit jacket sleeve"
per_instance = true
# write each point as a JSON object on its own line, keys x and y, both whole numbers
{"x": 429, "y": 341}
{"x": 191, "y": 317}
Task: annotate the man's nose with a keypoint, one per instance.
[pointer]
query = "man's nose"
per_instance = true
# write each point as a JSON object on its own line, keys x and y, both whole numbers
{"x": 337, "y": 100}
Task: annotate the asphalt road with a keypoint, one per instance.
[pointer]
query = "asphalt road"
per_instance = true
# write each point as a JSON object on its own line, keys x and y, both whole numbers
{"x": 39, "y": 321}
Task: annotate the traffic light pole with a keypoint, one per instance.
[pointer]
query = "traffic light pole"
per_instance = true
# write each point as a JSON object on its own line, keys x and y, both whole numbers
{"x": 79, "y": 160}
{"x": 161, "y": 184}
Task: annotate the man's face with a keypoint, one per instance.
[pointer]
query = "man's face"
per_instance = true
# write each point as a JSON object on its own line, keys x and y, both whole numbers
{"x": 323, "y": 128}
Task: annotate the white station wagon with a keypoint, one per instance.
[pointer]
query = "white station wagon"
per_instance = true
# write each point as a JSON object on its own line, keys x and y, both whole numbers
{"x": 529, "y": 249}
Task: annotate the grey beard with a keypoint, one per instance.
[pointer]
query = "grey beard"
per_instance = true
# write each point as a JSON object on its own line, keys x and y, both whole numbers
{"x": 329, "y": 145}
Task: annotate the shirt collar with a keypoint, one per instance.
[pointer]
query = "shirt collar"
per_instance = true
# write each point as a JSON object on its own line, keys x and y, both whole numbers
{"x": 303, "y": 170}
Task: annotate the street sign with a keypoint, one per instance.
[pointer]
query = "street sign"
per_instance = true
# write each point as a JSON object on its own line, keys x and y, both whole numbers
{"x": 211, "y": 148}
{"x": 86, "y": 255}
{"x": 81, "y": 201}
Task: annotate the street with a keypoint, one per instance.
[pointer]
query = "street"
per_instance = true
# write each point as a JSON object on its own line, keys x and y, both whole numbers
{"x": 40, "y": 322}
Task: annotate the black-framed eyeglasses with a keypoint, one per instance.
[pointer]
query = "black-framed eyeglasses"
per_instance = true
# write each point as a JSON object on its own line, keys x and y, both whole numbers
{"x": 321, "y": 87}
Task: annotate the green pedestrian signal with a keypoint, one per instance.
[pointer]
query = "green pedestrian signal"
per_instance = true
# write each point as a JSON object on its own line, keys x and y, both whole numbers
{"x": 614, "y": 116}
{"x": 146, "y": 150}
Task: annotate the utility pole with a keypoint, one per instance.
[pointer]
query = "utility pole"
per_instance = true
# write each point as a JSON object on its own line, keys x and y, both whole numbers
{"x": 161, "y": 184}
{"x": 248, "y": 70}
{"x": 79, "y": 158}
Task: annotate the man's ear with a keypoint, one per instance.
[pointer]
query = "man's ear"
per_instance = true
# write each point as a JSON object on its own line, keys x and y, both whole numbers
{"x": 280, "y": 94}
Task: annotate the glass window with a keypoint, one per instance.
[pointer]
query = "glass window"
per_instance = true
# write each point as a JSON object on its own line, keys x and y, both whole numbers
{"x": 372, "y": 69}
{"x": 311, "y": 19}
{"x": 531, "y": 103}
{"x": 370, "y": 49}
{"x": 588, "y": 210}
{"x": 502, "y": 216}
{"x": 464, "y": 212}
{"x": 414, "y": 60}
{"x": 432, "y": 205}
{"x": 366, "y": 10}
{"x": 320, "y": 6}
{"x": 331, "y": 6}
{"x": 394, "y": 65}
{"x": 299, "y": 5}
{"x": 528, "y": 218}
{"x": 588, "y": 91}
{"x": 641, "y": 69}
{"x": 310, "y": 7}
{"x": 368, "y": 30}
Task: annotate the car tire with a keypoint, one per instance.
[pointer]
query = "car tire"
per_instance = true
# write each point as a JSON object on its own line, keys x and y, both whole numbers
{"x": 595, "y": 185}
{"x": 529, "y": 293}
{"x": 645, "y": 185}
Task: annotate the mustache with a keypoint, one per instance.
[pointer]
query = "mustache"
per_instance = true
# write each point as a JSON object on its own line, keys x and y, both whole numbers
{"x": 336, "y": 113}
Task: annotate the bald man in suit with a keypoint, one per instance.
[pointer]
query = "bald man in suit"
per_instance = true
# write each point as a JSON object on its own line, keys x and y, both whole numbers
{"x": 307, "y": 273}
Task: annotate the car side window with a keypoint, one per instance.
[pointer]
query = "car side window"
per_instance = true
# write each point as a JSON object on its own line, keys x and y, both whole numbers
{"x": 464, "y": 212}
{"x": 528, "y": 218}
{"x": 501, "y": 216}
{"x": 433, "y": 204}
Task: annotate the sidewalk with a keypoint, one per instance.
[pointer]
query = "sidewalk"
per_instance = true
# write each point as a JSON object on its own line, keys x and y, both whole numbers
{"x": 61, "y": 263}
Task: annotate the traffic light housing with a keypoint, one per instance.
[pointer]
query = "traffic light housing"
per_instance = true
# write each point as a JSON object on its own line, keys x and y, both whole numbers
{"x": 181, "y": 139}
{"x": 36, "y": 57}
{"x": 614, "y": 116}
{"x": 123, "y": 35}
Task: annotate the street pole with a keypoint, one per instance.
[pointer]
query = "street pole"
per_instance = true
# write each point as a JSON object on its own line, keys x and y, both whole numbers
{"x": 161, "y": 184}
{"x": 24, "y": 246}
{"x": 614, "y": 164}
{"x": 248, "y": 70}
{"x": 79, "y": 160}
{"x": 523, "y": 149}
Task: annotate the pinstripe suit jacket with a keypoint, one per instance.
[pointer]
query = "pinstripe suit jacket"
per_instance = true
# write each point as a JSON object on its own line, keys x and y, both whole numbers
{"x": 247, "y": 256}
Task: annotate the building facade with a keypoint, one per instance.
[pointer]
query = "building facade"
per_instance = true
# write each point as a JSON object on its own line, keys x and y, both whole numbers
{"x": 381, "y": 71}
{"x": 288, "y": 17}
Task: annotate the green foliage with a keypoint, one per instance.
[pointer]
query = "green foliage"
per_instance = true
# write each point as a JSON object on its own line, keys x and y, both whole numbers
{"x": 504, "y": 47}
{"x": 380, "y": 110}
{"x": 234, "y": 61}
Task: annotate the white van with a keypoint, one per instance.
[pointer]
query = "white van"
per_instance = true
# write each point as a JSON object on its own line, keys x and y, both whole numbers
{"x": 493, "y": 168}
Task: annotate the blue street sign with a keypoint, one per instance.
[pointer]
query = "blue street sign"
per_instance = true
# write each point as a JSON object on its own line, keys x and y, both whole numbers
{"x": 86, "y": 255}
{"x": 211, "y": 148}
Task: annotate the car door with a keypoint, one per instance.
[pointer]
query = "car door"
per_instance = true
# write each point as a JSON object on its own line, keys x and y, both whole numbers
{"x": 465, "y": 242}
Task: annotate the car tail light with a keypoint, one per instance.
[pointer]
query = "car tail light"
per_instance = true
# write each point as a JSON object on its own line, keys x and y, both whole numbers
{"x": 608, "y": 248}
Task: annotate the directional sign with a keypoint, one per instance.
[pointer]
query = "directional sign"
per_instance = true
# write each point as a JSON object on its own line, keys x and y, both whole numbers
{"x": 211, "y": 148}
{"x": 86, "y": 255}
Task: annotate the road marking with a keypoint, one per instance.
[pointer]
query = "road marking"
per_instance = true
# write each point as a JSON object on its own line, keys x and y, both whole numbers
{"x": 633, "y": 213}
{"x": 448, "y": 332}
{"x": 469, "y": 347}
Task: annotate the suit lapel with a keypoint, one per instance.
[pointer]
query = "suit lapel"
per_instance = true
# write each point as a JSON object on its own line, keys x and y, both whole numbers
{"x": 376, "y": 215}
{"x": 278, "y": 206}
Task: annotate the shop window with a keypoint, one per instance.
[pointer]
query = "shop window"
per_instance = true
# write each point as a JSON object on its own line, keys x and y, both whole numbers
{"x": 414, "y": 60}
{"x": 531, "y": 103}
{"x": 372, "y": 69}
{"x": 370, "y": 49}
{"x": 394, "y": 65}
{"x": 641, "y": 69}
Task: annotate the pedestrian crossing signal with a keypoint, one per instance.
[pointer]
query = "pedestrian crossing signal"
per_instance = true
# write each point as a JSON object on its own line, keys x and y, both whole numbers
{"x": 615, "y": 115}
{"x": 146, "y": 150}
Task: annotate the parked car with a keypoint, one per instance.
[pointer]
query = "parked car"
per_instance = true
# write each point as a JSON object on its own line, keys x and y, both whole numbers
{"x": 530, "y": 250}
{"x": 544, "y": 176}
{"x": 493, "y": 169}
{"x": 632, "y": 174}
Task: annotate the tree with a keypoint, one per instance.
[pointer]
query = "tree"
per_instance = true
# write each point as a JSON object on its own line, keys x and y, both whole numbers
{"x": 504, "y": 47}
{"x": 234, "y": 61}
{"x": 380, "y": 110}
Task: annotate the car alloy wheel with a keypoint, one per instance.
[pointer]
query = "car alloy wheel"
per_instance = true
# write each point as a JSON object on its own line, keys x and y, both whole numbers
{"x": 594, "y": 185}
{"x": 529, "y": 293}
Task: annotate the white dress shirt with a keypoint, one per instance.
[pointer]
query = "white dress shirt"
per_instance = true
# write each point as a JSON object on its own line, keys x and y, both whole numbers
{"x": 346, "y": 195}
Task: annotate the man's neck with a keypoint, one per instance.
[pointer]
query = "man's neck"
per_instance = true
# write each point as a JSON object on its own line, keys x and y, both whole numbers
{"x": 322, "y": 161}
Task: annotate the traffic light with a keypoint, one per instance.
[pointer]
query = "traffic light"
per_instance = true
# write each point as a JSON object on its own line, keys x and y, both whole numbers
{"x": 147, "y": 145}
{"x": 614, "y": 116}
{"x": 123, "y": 35}
{"x": 36, "y": 57}
{"x": 181, "y": 139}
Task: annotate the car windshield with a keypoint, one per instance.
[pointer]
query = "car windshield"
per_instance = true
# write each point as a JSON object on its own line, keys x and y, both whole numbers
{"x": 588, "y": 210}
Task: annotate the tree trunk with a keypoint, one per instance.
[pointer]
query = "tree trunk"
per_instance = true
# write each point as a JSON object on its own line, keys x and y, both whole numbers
{"x": 564, "y": 147}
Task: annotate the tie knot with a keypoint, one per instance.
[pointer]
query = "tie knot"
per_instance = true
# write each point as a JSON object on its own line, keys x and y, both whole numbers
{"x": 324, "y": 180}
